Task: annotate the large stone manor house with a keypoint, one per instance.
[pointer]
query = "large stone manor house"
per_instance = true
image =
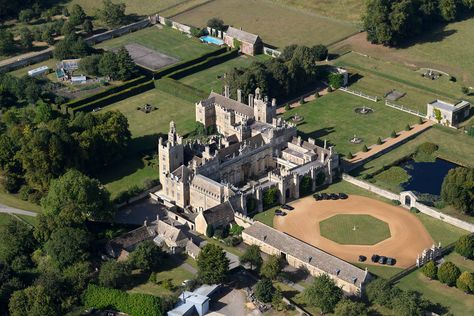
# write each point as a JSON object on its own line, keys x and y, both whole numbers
{"x": 252, "y": 151}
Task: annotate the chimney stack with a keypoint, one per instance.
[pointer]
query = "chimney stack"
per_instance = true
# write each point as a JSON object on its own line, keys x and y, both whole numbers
{"x": 226, "y": 91}
{"x": 251, "y": 100}
{"x": 239, "y": 95}
{"x": 274, "y": 102}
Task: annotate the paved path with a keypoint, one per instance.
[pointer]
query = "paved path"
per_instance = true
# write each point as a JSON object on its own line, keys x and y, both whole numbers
{"x": 12, "y": 210}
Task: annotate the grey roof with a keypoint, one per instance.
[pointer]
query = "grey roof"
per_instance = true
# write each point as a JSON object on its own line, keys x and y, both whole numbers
{"x": 230, "y": 104}
{"x": 128, "y": 240}
{"x": 306, "y": 253}
{"x": 448, "y": 106}
{"x": 170, "y": 232}
{"x": 222, "y": 212}
{"x": 252, "y": 142}
{"x": 242, "y": 35}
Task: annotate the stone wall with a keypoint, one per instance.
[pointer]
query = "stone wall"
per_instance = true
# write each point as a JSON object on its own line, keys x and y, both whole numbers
{"x": 370, "y": 187}
{"x": 243, "y": 220}
{"x": 98, "y": 38}
{"x": 31, "y": 58}
{"x": 178, "y": 26}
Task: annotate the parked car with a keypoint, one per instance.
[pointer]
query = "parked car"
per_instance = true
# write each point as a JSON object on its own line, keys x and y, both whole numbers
{"x": 375, "y": 258}
{"x": 391, "y": 261}
{"x": 382, "y": 260}
{"x": 287, "y": 207}
{"x": 362, "y": 258}
{"x": 280, "y": 214}
{"x": 334, "y": 196}
{"x": 343, "y": 196}
{"x": 317, "y": 196}
{"x": 324, "y": 196}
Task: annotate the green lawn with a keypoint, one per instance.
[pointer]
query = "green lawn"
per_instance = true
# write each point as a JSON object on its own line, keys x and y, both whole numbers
{"x": 377, "y": 77}
{"x": 140, "y": 7}
{"x": 29, "y": 219}
{"x": 211, "y": 79}
{"x": 276, "y": 24}
{"x": 266, "y": 217}
{"x": 5, "y": 219}
{"x": 368, "y": 229}
{"x": 385, "y": 272}
{"x": 453, "y": 145}
{"x": 392, "y": 178}
{"x": 440, "y": 231}
{"x": 332, "y": 117}
{"x": 167, "y": 41}
{"x": 14, "y": 201}
{"x": 146, "y": 129}
{"x": 452, "y": 298}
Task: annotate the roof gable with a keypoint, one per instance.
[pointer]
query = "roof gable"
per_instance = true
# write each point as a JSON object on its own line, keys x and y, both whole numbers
{"x": 242, "y": 35}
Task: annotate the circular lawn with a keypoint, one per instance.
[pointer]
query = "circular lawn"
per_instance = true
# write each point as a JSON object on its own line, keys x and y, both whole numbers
{"x": 352, "y": 229}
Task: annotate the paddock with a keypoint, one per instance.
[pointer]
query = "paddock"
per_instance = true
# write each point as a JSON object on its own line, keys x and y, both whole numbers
{"x": 408, "y": 236}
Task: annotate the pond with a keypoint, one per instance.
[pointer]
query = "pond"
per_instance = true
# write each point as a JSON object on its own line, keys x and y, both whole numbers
{"x": 426, "y": 177}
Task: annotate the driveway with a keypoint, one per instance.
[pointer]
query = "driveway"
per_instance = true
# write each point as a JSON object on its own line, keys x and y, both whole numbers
{"x": 12, "y": 210}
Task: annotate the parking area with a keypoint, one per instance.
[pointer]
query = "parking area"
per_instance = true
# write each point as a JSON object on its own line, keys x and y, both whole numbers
{"x": 408, "y": 236}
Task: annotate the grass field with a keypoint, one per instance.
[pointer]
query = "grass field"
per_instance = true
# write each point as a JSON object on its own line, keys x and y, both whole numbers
{"x": 446, "y": 47}
{"x": 277, "y": 25}
{"x": 208, "y": 79}
{"x": 139, "y": 7}
{"x": 5, "y": 219}
{"x": 392, "y": 178}
{"x": 51, "y": 63}
{"x": 452, "y": 298}
{"x": 340, "y": 228}
{"x": 14, "y": 201}
{"x": 377, "y": 77}
{"x": 441, "y": 231}
{"x": 167, "y": 41}
{"x": 332, "y": 117}
{"x": 384, "y": 272}
{"x": 453, "y": 145}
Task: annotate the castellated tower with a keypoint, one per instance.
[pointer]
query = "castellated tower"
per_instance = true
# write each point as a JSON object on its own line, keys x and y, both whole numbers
{"x": 171, "y": 153}
{"x": 264, "y": 111}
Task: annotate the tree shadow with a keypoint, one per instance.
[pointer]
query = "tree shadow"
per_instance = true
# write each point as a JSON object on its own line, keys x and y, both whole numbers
{"x": 437, "y": 34}
{"x": 318, "y": 134}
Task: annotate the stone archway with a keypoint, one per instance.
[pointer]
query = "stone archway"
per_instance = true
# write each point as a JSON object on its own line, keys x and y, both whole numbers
{"x": 408, "y": 199}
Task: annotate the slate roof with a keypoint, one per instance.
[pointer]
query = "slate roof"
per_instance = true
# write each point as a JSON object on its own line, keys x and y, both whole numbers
{"x": 221, "y": 213}
{"x": 253, "y": 142}
{"x": 230, "y": 104}
{"x": 128, "y": 240}
{"x": 448, "y": 106}
{"x": 170, "y": 232}
{"x": 306, "y": 253}
{"x": 242, "y": 35}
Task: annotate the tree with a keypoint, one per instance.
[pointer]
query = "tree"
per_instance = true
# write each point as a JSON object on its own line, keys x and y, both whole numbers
{"x": 320, "y": 52}
{"x": 379, "y": 292}
{"x": 430, "y": 270}
{"x": 108, "y": 65}
{"x": 32, "y": 301}
{"x": 448, "y": 9}
{"x": 26, "y": 15}
{"x": 16, "y": 240}
{"x": 112, "y": 15}
{"x": 458, "y": 189}
{"x": 408, "y": 303}
{"x": 26, "y": 38}
{"x": 437, "y": 114}
{"x": 272, "y": 267}
{"x": 465, "y": 90}
{"x": 277, "y": 300}
{"x": 216, "y": 23}
{"x": 210, "y": 231}
{"x": 393, "y": 134}
{"x": 365, "y": 149}
{"x": 270, "y": 197}
{"x": 347, "y": 307}
{"x": 264, "y": 290}
{"x": 323, "y": 293}
{"x": 465, "y": 282}
{"x": 306, "y": 185}
{"x": 77, "y": 15}
{"x": 67, "y": 246}
{"x": 71, "y": 47}
{"x": 90, "y": 65}
{"x": 448, "y": 273}
{"x": 77, "y": 276}
{"x": 7, "y": 44}
{"x": 67, "y": 29}
{"x": 87, "y": 26}
{"x": 213, "y": 264}
{"x": 126, "y": 65}
{"x": 147, "y": 256}
{"x": 336, "y": 80}
{"x": 47, "y": 35}
{"x": 74, "y": 198}
{"x": 465, "y": 246}
{"x": 114, "y": 274}
{"x": 252, "y": 256}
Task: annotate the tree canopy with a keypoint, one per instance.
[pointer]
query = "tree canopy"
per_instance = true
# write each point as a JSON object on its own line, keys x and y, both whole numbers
{"x": 264, "y": 290}
{"x": 112, "y": 14}
{"x": 68, "y": 245}
{"x": 347, "y": 307}
{"x": 252, "y": 257}
{"x": 213, "y": 265}
{"x": 272, "y": 267}
{"x": 147, "y": 256}
{"x": 448, "y": 273}
{"x": 114, "y": 274}
{"x": 458, "y": 189}
{"x": 465, "y": 246}
{"x": 323, "y": 293}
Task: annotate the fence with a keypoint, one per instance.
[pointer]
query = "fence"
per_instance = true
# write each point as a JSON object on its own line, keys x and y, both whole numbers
{"x": 360, "y": 94}
{"x": 404, "y": 109}
{"x": 413, "y": 203}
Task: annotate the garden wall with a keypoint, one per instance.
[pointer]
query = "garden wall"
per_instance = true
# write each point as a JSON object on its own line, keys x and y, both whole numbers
{"x": 119, "y": 31}
{"x": 370, "y": 187}
{"x": 27, "y": 59}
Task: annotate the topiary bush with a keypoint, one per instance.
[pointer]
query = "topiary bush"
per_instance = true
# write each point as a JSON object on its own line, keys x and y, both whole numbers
{"x": 393, "y": 134}
{"x": 430, "y": 270}
{"x": 379, "y": 141}
{"x": 448, "y": 273}
{"x": 365, "y": 149}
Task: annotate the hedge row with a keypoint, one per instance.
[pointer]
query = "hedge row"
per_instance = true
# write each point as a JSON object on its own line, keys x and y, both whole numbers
{"x": 209, "y": 62}
{"x": 186, "y": 63}
{"x": 133, "y": 304}
{"x": 116, "y": 97}
{"x": 180, "y": 89}
{"x": 112, "y": 90}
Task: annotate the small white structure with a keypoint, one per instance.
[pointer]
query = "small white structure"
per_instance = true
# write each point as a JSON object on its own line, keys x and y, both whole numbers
{"x": 78, "y": 79}
{"x": 447, "y": 113}
{"x": 38, "y": 71}
{"x": 345, "y": 75}
{"x": 194, "y": 303}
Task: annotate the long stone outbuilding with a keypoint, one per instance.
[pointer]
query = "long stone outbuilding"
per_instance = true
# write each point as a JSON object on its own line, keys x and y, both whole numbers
{"x": 301, "y": 255}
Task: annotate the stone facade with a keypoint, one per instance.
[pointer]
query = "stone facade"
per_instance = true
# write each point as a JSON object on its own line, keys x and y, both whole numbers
{"x": 448, "y": 114}
{"x": 252, "y": 152}
{"x": 250, "y": 44}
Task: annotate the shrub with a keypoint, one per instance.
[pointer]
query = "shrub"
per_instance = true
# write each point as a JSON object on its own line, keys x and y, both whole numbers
{"x": 393, "y": 134}
{"x": 465, "y": 90}
{"x": 420, "y": 120}
{"x": 287, "y": 107}
{"x": 465, "y": 282}
{"x": 168, "y": 23}
{"x": 465, "y": 246}
{"x": 210, "y": 231}
{"x": 302, "y": 101}
{"x": 430, "y": 270}
{"x": 395, "y": 202}
{"x": 316, "y": 95}
{"x": 350, "y": 155}
{"x": 365, "y": 149}
{"x": 414, "y": 210}
{"x": 407, "y": 127}
{"x": 264, "y": 290}
{"x": 236, "y": 230}
{"x": 379, "y": 141}
{"x": 448, "y": 273}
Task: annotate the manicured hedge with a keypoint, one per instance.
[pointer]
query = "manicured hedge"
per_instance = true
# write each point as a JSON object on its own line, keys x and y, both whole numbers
{"x": 209, "y": 62}
{"x": 107, "y": 100}
{"x": 112, "y": 90}
{"x": 180, "y": 89}
{"x": 133, "y": 304}
{"x": 186, "y": 63}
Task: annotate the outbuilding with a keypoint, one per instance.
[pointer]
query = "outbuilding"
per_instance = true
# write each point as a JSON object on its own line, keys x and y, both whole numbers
{"x": 250, "y": 44}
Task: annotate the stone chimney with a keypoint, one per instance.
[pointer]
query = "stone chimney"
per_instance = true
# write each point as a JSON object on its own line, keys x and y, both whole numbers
{"x": 274, "y": 102}
{"x": 325, "y": 143}
{"x": 226, "y": 91}
{"x": 251, "y": 100}
{"x": 239, "y": 95}
{"x": 311, "y": 141}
